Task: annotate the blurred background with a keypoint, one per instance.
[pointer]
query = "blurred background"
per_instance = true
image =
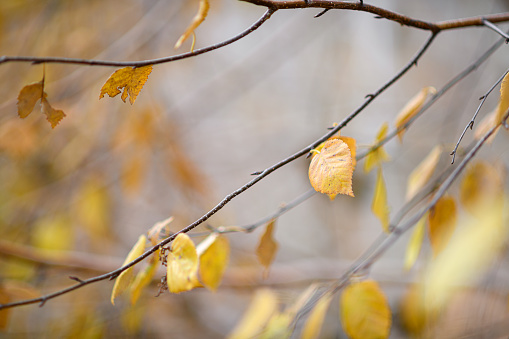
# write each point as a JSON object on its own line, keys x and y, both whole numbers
{"x": 110, "y": 170}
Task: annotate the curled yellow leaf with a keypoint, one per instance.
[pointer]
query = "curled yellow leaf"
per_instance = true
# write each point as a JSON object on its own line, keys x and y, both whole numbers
{"x": 28, "y": 97}
{"x": 213, "y": 260}
{"x": 267, "y": 247}
{"x": 182, "y": 264}
{"x": 197, "y": 20}
{"x": 124, "y": 279}
{"x": 128, "y": 80}
{"x": 331, "y": 170}
{"x": 377, "y": 156}
{"x": 423, "y": 172}
{"x": 379, "y": 205}
{"x": 442, "y": 222}
{"x": 411, "y": 108}
{"x": 365, "y": 313}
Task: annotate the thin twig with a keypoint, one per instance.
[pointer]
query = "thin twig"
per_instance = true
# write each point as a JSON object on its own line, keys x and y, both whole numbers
{"x": 75, "y": 61}
{"x": 491, "y": 26}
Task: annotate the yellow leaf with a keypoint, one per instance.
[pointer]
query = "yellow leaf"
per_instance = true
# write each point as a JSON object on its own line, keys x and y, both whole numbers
{"x": 182, "y": 265}
{"x": 315, "y": 320}
{"x": 213, "y": 260}
{"x": 365, "y": 313}
{"x": 352, "y": 145}
{"x": 331, "y": 170}
{"x": 442, "y": 222}
{"x": 379, "y": 205}
{"x": 470, "y": 252}
{"x": 263, "y": 306}
{"x": 144, "y": 277}
{"x": 414, "y": 317}
{"x": 415, "y": 243}
{"x": 197, "y": 20}
{"x": 411, "y": 108}
{"x": 130, "y": 79}
{"x": 503, "y": 104}
{"x": 482, "y": 184}
{"x": 267, "y": 247}
{"x": 423, "y": 172}
{"x": 124, "y": 279}
{"x": 379, "y": 155}
{"x": 28, "y": 97}
{"x": 52, "y": 115}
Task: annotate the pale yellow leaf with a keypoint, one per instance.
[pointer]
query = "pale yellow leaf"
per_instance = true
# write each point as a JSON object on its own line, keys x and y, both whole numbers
{"x": 130, "y": 80}
{"x": 28, "y": 97}
{"x": 379, "y": 205}
{"x": 469, "y": 253}
{"x": 54, "y": 116}
{"x": 441, "y": 223}
{"x": 365, "y": 313}
{"x": 124, "y": 279}
{"x": 213, "y": 261}
{"x": 182, "y": 264}
{"x": 316, "y": 317}
{"x": 378, "y": 156}
{"x": 267, "y": 247}
{"x": 261, "y": 309}
{"x": 411, "y": 108}
{"x": 503, "y": 104}
{"x": 144, "y": 277}
{"x": 415, "y": 243}
{"x": 423, "y": 172}
{"x": 331, "y": 170}
{"x": 197, "y": 20}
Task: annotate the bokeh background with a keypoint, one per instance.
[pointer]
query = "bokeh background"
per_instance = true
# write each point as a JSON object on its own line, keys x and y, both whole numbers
{"x": 199, "y": 127}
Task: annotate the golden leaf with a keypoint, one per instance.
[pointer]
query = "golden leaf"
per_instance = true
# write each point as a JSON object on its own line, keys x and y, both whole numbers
{"x": 52, "y": 115}
{"x": 315, "y": 320}
{"x": 28, "y": 97}
{"x": 124, "y": 279}
{"x": 379, "y": 205}
{"x": 423, "y": 172}
{"x": 331, "y": 170}
{"x": 261, "y": 309}
{"x": 182, "y": 265}
{"x": 415, "y": 243}
{"x": 213, "y": 260}
{"x": 144, "y": 277}
{"x": 379, "y": 155}
{"x": 442, "y": 222}
{"x": 365, "y": 312}
{"x": 197, "y": 20}
{"x": 128, "y": 79}
{"x": 267, "y": 247}
{"x": 352, "y": 145}
{"x": 411, "y": 108}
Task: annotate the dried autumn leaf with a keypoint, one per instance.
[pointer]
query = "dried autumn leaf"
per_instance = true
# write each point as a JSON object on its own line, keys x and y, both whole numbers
{"x": 182, "y": 265}
{"x": 423, "y": 172}
{"x": 315, "y": 320}
{"x": 377, "y": 156}
{"x": 379, "y": 205}
{"x": 415, "y": 243}
{"x": 267, "y": 247}
{"x": 441, "y": 223}
{"x": 54, "y": 116}
{"x": 130, "y": 80}
{"x": 28, "y": 97}
{"x": 365, "y": 312}
{"x": 411, "y": 108}
{"x": 213, "y": 260}
{"x": 261, "y": 309}
{"x": 331, "y": 170}
{"x": 197, "y": 20}
{"x": 124, "y": 279}
{"x": 144, "y": 277}
{"x": 352, "y": 145}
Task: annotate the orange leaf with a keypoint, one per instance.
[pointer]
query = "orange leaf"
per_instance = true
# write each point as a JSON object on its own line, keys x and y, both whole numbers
{"x": 379, "y": 205}
{"x": 267, "y": 247}
{"x": 411, "y": 108}
{"x": 197, "y": 20}
{"x": 52, "y": 115}
{"x": 379, "y": 155}
{"x": 331, "y": 170}
{"x": 182, "y": 265}
{"x": 124, "y": 279}
{"x": 442, "y": 222}
{"x": 214, "y": 256}
{"x": 128, "y": 79}
{"x": 423, "y": 172}
{"x": 28, "y": 97}
{"x": 365, "y": 312}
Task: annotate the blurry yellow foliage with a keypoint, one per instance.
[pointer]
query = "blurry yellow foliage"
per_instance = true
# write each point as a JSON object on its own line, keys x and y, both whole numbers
{"x": 423, "y": 172}
{"x": 267, "y": 247}
{"x": 313, "y": 325}
{"x": 415, "y": 243}
{"x": 197, "y": 20}
{"x": 182, "y": 264}
{"x": 379, "y": 205}
{"x": 214, "y": 254}
{"x": 53, "y": 232}
{"x": 377, "y": 156}
{"x": 92, "y": 207}
{"x": 412, "y": 108}
{"x": 442, "y": 222}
